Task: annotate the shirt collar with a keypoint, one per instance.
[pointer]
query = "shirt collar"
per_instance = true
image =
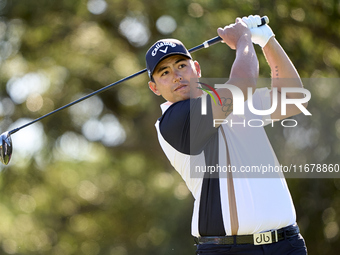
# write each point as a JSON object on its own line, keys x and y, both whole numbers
{"x": 165, "y": 106}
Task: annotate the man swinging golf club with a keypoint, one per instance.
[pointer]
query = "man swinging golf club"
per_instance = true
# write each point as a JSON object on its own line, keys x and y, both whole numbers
{"x": 6, "y": 147}
{"x": 231, "y": 215}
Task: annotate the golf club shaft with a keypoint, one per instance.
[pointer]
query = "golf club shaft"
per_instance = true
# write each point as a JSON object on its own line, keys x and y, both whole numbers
{"x": 206, "y": 44}
{"x": 77, "y": 101}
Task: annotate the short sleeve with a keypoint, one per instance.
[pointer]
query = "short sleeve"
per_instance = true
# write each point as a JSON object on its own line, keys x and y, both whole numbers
{"x": 185, "y": 128}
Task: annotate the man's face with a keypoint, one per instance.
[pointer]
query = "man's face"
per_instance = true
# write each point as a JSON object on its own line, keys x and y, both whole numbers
{"x": 172, "y": 78}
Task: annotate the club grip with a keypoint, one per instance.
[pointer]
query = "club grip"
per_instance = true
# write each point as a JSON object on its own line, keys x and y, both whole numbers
{"x": 264, "y": 20}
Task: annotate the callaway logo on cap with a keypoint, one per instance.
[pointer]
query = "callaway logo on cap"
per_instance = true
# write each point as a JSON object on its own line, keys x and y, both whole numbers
{"x": 162, "y": 49}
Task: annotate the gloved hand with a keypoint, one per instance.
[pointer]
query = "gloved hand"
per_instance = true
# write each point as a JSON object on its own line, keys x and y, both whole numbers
{"x": 259, "y": 35}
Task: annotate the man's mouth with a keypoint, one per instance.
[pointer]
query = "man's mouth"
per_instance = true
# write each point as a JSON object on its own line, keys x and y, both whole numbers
{"x": 180, "y": 87}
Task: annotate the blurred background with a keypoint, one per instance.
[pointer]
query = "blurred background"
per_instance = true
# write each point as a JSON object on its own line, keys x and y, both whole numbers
{"x": 92, "y": 179}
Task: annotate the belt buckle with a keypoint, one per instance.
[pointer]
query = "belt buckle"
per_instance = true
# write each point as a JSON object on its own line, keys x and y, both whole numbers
{"x": 264, "y": 238}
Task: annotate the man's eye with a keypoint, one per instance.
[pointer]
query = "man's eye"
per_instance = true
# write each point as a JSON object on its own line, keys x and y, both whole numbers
{"x": 182, "y": 65}
{"x": 164, "y": 73}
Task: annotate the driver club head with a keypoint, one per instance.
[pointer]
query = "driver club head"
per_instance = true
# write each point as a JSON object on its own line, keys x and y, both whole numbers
{"x": 5, "y": 148}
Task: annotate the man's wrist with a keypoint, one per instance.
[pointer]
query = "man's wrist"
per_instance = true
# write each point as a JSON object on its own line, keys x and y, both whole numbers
{"x": 244, "y": 39}
{"x": 269, "y": 44}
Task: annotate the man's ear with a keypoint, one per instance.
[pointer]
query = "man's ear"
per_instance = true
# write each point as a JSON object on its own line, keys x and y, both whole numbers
{"x": 153, "y": 87}
{"x": 198, "y": 68}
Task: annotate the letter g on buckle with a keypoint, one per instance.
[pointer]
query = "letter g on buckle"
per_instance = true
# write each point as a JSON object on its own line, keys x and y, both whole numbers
{"x": 262, "y": 238}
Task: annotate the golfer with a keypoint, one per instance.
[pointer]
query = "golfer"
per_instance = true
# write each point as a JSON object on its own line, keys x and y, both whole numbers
{"x": 231, "y": 215}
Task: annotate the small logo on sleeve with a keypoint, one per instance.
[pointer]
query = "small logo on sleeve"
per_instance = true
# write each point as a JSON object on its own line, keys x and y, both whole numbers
{"x": 209, "y": 93}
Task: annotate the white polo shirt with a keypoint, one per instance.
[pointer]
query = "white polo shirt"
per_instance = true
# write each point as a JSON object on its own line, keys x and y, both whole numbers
{"x": 192, "y": 143}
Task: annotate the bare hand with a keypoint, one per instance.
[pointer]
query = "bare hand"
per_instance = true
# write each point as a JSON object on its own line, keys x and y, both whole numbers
{"x": 231, "y": 34}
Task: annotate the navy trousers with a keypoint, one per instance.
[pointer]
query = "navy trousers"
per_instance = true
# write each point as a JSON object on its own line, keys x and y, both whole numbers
{"x": 294, "y": 245}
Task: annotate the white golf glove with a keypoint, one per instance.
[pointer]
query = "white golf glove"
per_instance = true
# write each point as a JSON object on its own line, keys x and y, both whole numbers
{"x": 259, "y": 35}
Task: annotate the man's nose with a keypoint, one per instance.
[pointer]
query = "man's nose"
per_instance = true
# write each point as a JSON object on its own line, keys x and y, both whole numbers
{"x": 177, "y": 76}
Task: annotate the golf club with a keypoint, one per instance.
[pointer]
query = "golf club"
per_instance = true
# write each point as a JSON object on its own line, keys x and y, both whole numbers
{"x": 6, "y": 147}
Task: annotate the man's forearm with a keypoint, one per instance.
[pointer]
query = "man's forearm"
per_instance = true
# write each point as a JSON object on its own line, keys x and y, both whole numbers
{"x": 245, "y": 69}
{"x": 283, "y": 71}
{"x": 244, "y": 72}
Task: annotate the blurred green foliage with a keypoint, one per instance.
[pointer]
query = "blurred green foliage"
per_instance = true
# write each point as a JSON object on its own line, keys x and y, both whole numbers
{"x": 83, "y": 193}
